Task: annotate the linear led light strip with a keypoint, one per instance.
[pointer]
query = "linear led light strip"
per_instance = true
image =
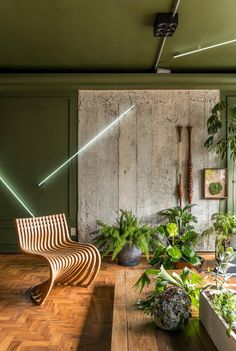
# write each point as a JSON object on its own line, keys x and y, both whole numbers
{"x": 16, "y": 196}
{"x": 204, "y": 48}
{"x": 87, "y": 145}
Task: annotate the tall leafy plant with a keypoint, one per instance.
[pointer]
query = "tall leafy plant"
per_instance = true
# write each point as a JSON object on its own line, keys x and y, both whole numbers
{"x": 217, "y": 142}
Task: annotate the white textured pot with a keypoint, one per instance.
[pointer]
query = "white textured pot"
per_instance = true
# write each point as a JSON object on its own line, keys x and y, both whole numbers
{"x": 215, "y": 326}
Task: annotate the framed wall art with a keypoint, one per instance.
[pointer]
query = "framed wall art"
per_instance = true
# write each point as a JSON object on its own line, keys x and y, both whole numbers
{"x": 215, "y": 183}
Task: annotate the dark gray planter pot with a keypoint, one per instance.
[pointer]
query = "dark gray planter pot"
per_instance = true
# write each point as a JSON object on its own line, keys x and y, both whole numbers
{"x": 129, "y": 256}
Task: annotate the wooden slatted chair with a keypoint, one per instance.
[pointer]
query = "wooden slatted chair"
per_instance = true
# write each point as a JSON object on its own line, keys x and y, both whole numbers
{"x": 70, "y": 263}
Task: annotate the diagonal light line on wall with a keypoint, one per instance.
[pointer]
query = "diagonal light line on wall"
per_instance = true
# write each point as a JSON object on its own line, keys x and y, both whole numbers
{"x": 16, "y": 196}
{"x": 204, "y": 48}
{"x": 87, "y": 145}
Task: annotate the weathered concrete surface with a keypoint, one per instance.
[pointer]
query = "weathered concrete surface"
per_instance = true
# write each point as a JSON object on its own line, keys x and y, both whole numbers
{"x": 134, "y": 165}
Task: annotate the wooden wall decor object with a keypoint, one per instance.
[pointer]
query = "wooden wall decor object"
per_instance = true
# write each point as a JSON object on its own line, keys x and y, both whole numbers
{"x": 190, "y": 166}
{"x": 70, "y": 263}
{"x": 180, "y": 180}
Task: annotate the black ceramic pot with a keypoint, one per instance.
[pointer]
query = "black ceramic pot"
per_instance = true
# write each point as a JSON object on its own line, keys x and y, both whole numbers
{"x": 129, "y": 256}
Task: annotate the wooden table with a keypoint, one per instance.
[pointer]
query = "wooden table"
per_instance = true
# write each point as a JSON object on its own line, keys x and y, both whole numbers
{"x": 132, "y": 330}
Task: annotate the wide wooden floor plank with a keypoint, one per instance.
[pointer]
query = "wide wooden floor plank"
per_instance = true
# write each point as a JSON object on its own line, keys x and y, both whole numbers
{"x": 142, "y": 334}
{"x": 119, "y": 324}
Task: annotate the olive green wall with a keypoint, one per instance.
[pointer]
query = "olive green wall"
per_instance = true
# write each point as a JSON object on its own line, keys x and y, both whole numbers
{"x": 38, "y": 132}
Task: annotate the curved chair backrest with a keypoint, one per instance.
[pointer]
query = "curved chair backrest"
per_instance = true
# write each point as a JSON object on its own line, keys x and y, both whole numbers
{"x": 39, "y": 234}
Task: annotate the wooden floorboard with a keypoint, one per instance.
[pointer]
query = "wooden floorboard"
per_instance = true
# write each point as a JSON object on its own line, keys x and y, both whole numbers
{"x": 71, "y": 319}
{"x": 132, "y": 330}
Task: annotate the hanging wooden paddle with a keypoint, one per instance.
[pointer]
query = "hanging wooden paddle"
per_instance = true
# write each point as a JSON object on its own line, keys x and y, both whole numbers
{"x": 190, "y": 166}
{"x": 180, "y": 181}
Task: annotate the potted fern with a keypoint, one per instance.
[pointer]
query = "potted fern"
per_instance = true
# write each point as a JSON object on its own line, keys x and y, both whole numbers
{"x": 126, "y": 239}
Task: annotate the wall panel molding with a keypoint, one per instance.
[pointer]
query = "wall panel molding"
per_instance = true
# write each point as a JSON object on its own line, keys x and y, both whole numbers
{"x": 77, "y": 81}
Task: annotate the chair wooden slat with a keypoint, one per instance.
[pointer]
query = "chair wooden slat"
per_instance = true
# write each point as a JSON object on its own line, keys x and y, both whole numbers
{"x": 70, "y": 262}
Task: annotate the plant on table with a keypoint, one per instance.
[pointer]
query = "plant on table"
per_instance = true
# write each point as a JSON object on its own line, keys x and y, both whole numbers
{"x": 171, "y": 299}
{"x": 177, "y": 238}
{"x": 126, "y": 233}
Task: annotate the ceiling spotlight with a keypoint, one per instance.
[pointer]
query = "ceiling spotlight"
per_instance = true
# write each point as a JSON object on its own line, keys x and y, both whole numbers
{"x": 165, "y": 24}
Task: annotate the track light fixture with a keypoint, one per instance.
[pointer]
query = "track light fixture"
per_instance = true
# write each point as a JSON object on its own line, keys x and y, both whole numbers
{"x": 165, "y": 24}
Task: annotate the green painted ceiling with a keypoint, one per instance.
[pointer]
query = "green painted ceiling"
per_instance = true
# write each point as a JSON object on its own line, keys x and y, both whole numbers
{"x": 112, "y": 36}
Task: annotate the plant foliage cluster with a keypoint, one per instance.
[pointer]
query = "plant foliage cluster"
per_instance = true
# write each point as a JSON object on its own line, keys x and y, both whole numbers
{"x": 216, "y": 123}
{"x": 223, "y": 226}
{"x": 223, "y": 300}
{"x": 215, "y": 188}
{"x": 178, "y": 238}
{"x": 187, "y": 280}
{"x": 220, "y": 274}
{"x": 126, "y": 230}
{"x": 225, "y": 306}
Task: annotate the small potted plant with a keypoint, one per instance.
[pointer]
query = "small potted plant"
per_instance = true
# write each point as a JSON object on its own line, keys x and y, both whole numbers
{"x": 177, "y": 239}
{"x": 224, "y": 228}
{"x": 172, "y": 297}
{"x": 218, "y": 304}
{"x": 126, "y": 239}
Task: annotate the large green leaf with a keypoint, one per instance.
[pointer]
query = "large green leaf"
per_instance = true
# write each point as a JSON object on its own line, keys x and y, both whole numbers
{"x": 174, "y": 252}
{"x": 172, "y": 229}
{"x": 160, "y": 250}
{"x": 195, "y": 260}
{"x": 189, "y": 236}
{"x": 188, "y": 251}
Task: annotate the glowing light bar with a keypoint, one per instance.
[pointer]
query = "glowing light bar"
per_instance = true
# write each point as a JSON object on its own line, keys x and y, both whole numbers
{"x": 204, "y": 48}
{"x": 16, "y": 196}
{"x": 87, "y": 145}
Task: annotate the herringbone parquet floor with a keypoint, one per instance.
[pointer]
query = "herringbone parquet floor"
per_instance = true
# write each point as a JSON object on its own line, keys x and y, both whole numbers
{"x": 72, "y": 318}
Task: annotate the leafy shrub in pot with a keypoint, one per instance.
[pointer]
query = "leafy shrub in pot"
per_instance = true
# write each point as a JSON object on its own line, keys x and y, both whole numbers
{"x": 177, "y": 239}
{"x": 171, "y": 299}
{"x": 126, "y": 239}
